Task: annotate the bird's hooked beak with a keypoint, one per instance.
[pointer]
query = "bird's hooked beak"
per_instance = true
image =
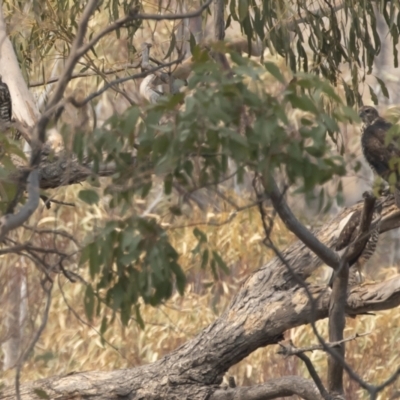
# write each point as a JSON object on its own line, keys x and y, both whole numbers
{"x": 361, "y": 114}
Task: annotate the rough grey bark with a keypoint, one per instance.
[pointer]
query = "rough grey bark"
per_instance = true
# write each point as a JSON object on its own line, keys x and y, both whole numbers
{"x": 268, "y": 303}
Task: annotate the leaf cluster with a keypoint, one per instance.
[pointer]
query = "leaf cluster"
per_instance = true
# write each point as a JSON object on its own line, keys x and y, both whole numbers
{"x": 221, "y": 117}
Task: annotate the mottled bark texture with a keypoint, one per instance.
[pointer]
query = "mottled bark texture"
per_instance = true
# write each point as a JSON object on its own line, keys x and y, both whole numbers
{"x": 61, "y": 169}
{"x": 269, "y": 302}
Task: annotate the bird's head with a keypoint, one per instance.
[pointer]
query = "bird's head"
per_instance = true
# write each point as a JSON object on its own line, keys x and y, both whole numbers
{"x": 368, "y": 114}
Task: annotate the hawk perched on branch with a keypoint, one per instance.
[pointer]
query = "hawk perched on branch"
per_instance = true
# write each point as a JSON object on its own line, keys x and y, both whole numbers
{"x": 348, "y": 234}
{"x": 5, "y": 103}
{"x": 380, "y": 155}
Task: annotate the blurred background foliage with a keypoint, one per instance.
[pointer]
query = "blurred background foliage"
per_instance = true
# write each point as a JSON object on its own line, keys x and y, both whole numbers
{"x": 180, "y": 209}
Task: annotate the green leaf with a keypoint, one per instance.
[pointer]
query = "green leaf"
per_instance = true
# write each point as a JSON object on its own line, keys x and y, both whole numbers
{"x": 200, "y": 235}
{"x": 192, "y": 42}
{"x": 383, "y": 87}
{"x": 89, "y": 302}
{"x": 139, "y": 318}
{"x": 220, "y": 262}
{"x": 104, "y": 325}
{"x": 84, "y": 255}
{"x": 94, "y": 260}
{"x": 180, "y": 277}
{"x": 204, "y": 259}
{"x": 168, "y": 184}
{"x": 89, "y": 196}
{"x": 274, "y": 71}
{"x": 374, "y": 97}
{"x": 303, "y": 103}
{"x": 172, "y": 46}
{"x": 243, "y": 9}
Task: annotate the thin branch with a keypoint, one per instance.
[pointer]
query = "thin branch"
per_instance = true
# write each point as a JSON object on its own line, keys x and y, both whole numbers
{"x": 287, "y": 349}
{"x": 173, "y": 17}
{"x": 69, "y": 67}
{"x": 314, "y": 375}
{"x": 327, "y": 255}
{"x": 121, "y": 80}
{"x": 336, "y": 325}
{"x": 87, "y": 74}
{"x": 9, "y": 222}
{"x": 110, "y": 28}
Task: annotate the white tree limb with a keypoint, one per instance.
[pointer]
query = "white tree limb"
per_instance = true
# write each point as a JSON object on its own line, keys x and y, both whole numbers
{"x": 23, "y": 104}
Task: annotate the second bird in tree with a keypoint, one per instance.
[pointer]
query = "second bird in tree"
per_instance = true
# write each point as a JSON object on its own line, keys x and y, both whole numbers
{"x": 382, "y": 156}
{"x": 5, "y": 103}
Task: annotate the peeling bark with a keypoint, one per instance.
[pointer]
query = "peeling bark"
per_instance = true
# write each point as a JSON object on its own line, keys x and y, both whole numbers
{"x": 268, "y": 303}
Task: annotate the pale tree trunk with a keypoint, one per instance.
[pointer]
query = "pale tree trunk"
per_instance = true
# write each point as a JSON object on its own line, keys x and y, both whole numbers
{"x": 24, "y": 107}
{"x": 25, "y": 111}
{"x": 270, "y": 302}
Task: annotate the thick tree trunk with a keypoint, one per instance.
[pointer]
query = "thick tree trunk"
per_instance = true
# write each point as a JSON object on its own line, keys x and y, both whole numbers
{"x": 268, "y": 303}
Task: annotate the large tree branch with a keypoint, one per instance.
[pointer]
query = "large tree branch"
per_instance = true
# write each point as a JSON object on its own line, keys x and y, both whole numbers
{"x": 169, "y": 375}
{"x": 268, "y": 303}
{"x": 66, "y": 171}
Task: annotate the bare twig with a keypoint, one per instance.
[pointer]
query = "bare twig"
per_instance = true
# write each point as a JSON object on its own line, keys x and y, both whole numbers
{"x": 87, "y": 74}
{"x": 287, "y": 349}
